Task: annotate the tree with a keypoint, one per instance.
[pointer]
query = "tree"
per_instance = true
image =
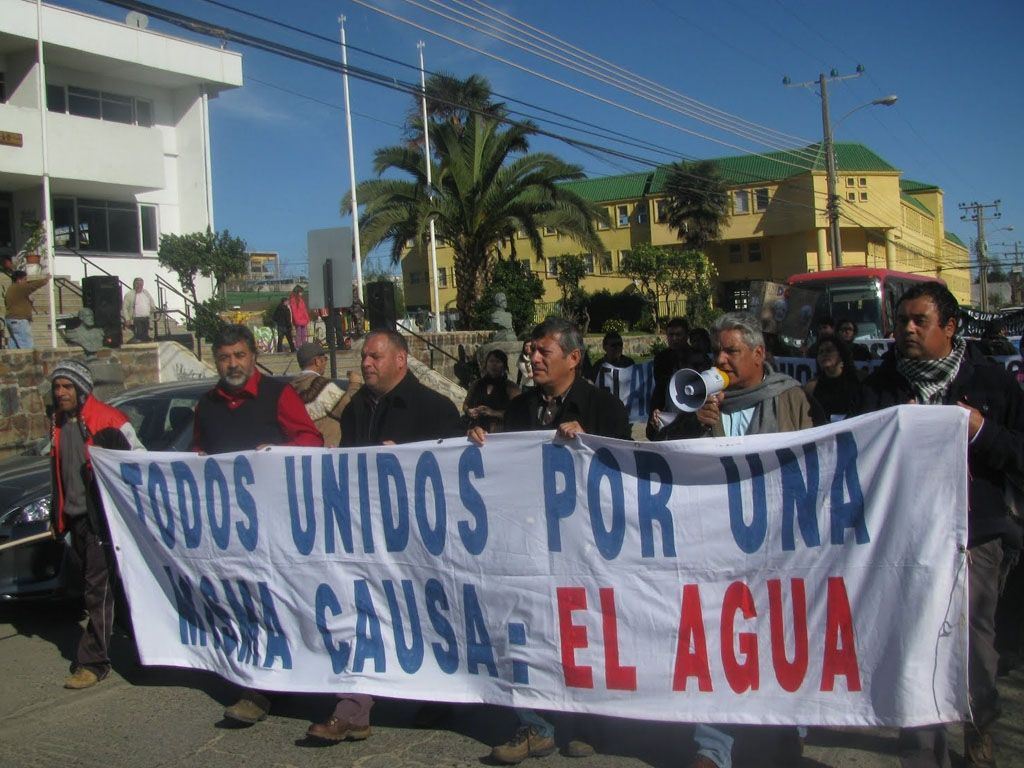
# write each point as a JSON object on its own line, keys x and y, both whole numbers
{"x": 452, "y": 100}
{"x": 647, "y": 266}
{"x": 522, "y": 288}
{"x": 572, "y": 271}
{"x": 689, "y": 275}
{"x": 486, "y": 188}
{"x": 211, "y": 254}
{"x": 697, "y": 203}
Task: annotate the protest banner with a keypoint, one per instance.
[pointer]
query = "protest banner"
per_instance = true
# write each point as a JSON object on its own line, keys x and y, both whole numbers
{"x": 632, "y": 384}
{"x": 813, "y": 578}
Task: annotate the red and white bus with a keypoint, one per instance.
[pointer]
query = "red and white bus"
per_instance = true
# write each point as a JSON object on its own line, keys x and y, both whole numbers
{"x": 865, "y": 295}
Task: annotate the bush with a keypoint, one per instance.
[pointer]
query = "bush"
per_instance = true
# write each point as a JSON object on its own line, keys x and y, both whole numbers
{"x": 646, "y": 324}
{"x": 616, "y": 325}
{"x": 627, "y": 306}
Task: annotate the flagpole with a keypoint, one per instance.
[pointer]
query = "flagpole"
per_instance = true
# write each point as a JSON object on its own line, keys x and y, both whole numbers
{"x": 435, "y": 298}
{"x": 351, "y": 165}
{"x": 45, "y": 217}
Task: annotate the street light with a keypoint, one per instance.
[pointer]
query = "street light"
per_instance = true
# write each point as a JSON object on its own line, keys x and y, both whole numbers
{"x": 835, "y": 240}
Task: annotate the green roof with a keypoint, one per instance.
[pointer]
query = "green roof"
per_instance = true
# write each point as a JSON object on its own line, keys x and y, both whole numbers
{"x": 908, "y": 185}
{"x": 954, "y": 239}
{"x": 913, "y": 201}
{"x": 610, "y": 187}
{"x": 736, "y": 170}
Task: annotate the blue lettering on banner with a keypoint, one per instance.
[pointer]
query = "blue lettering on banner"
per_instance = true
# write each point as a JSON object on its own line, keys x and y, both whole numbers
{"x": 474, "y": 539}
{"x": 410, "y": 657}
{"x": 131, "y": 474}
{"x": 427, "y": 469}
{"x": 396, "y": 524}
{"x": 799, "y": 498}
{"x": 224, "y": 637}
{"x": 365, "y": 510}
{"x": 556, "y": 461}
{"x": 303, "y": 536}
{"x": 189, "y": 506}
{"x": 479, "y": 651}
{"x": 748, "y": 537}
{"x": 217, "y": 487}
{"x": 277, "y": 642}
{"x": 369, "y": 642}
{"x": 326, "y": 601}
{"x": 651, "y": 507}
{"x": 159, "y": 497}
{"x": 608, "y": 540}
{"x": 190, "y": 628}
{"x": 248, "y": 535}
{"x": 244, "y": 609}
{"x": 847, "y": 513}
{"x": 337, "y": 509}
{"x": 447, "y": 656}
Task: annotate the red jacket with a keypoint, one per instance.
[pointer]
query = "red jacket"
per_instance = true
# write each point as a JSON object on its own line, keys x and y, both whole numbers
{"x": 96, "y": 417}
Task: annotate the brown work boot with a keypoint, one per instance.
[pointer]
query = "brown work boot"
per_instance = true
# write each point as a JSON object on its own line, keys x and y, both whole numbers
{"x": 978, "y": 749}
{"x": 83, "y": 677}
{"x": 527, "y": 742}
{"x": 338, "y": 730}
{"x": 578, "y": 748}
{"x": 249, "y": 709}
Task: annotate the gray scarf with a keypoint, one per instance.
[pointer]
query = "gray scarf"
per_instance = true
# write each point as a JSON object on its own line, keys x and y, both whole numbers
{"x": 931, "y": 378}
{"x": 762, "y": 399}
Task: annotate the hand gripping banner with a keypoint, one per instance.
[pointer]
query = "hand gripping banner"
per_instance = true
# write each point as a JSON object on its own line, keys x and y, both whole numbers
{"x": 806, "y": 578}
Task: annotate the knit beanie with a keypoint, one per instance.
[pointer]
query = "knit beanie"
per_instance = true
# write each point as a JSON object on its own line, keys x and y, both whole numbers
{"x": 77, "y": 373}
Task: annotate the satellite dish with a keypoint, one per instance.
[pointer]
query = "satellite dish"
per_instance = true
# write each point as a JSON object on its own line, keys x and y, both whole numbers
{"x": 136, "y": 20}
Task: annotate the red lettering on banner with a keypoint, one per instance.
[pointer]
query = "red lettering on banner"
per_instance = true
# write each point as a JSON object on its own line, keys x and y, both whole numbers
{"x": 742, "y": 676}
{"x": 790, "y": 674}
{"x": 840, "y": 650}
{"x": 691, "y": 633}
{"x": 617, "y": 678}
{"x": 573, "y": 636}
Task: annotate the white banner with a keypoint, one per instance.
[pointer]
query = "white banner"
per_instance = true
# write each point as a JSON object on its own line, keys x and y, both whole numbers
{"x": 802, "y": 578}
{"x": 632, "y": 384}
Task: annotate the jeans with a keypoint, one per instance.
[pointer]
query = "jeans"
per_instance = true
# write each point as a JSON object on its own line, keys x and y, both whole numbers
{"x": 21, "y": 333}
{"x": 532, "y": 717}
{"x": 714, "y": 743}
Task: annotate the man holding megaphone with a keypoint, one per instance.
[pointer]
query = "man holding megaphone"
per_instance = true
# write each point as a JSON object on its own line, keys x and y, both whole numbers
{"x": 741, "y": 395}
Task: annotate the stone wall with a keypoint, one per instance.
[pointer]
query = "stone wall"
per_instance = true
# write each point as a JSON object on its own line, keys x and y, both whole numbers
{"x": 24, "y": 389}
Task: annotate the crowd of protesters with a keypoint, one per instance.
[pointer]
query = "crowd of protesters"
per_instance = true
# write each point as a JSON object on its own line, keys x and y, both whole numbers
{"x": 928, "y": 363}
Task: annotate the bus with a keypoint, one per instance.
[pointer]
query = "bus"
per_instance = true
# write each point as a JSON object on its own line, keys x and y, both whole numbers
{"x": 866, "y": 295}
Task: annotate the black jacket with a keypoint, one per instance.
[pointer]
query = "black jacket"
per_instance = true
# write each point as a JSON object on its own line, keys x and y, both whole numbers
{"x": 407, "y": 414}
{"x": 998, "y": 449}
{"x": 597, "y": 410}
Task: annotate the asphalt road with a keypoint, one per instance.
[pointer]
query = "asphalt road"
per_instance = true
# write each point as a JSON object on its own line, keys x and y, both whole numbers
{"x": 154, "y": 717}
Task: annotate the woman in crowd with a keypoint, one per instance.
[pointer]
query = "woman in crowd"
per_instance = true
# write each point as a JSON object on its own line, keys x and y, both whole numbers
{"x": 524, "y": 375}
{"x": 490, "y": 395}
{"x": 300, "y": 314}
{"x": 837, "y": 385}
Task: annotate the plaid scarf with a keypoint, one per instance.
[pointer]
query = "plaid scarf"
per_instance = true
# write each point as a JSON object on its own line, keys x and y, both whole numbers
{"x": 930, "y": 379}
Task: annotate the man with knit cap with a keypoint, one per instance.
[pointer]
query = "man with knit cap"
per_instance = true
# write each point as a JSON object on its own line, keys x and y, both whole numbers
{"x": 931, "y": 365}
{"x": 324, "y": 399}
{"x": 80, "y": 420}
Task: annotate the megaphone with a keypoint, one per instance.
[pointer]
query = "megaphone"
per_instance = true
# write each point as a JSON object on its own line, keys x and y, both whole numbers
{"x": 688, "y": 389}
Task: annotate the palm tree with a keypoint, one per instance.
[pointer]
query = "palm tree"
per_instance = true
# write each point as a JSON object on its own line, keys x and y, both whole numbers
{"x": 486, "y": 188}
{"x": 698, "y": 203}
{"x": 451, "y": 99}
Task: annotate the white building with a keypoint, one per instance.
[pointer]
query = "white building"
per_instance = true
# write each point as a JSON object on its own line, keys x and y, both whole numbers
{"x": 128, "y": 141}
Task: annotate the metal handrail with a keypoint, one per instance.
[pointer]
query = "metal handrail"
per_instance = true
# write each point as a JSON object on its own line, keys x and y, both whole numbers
{"x": 431, "y": 346}
{"x": 62, "y": 283}
{"x": 87, "y": 262}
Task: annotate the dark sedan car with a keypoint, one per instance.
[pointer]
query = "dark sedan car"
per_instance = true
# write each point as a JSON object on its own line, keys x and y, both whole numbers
{"x": 162, "y": 415}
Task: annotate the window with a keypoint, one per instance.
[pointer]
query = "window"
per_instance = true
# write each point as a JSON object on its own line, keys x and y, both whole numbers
{"x": 735, "y": 253}
{"x": 442, "y": 277}
{"x": 602, "y": 225}
{"x": 520, "y": 234}
{"x": 588, "y": 261}
{"x": 604, "y": 263}
{"x": 753, "y": 252}
{"x": 624, "y": 255}
{"x": 150, "y": 239}
{"x": 863, "y": 197}
{"x": 622, "y": 215}
{"x": 549, "y": 231}
{"x": 741, "y": 201}
{"x": 761, "y": 199}
{"x": 99, "y": 105}
{"x": 661, "y": 211}
{"x": 641, "y": 214}
{"x": 849, "y": 181}
{"x": 862, "y": 181}
{"x": 552, "y": 265}
{"x": 851, "y": 196}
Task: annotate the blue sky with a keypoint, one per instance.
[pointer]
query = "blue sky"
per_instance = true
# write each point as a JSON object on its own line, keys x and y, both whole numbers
{"x": 279, "y": 152}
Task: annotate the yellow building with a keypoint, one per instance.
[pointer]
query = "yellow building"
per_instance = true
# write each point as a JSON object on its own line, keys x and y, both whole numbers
{"x": 777, "y": 226}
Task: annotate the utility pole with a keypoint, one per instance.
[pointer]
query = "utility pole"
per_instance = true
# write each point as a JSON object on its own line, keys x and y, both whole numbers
{"x": 976, "y": 212}
{"x": 832, "y": 207}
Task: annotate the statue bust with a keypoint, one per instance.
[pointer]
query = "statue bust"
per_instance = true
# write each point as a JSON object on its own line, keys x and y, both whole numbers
{"x": 501, "y": 318}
